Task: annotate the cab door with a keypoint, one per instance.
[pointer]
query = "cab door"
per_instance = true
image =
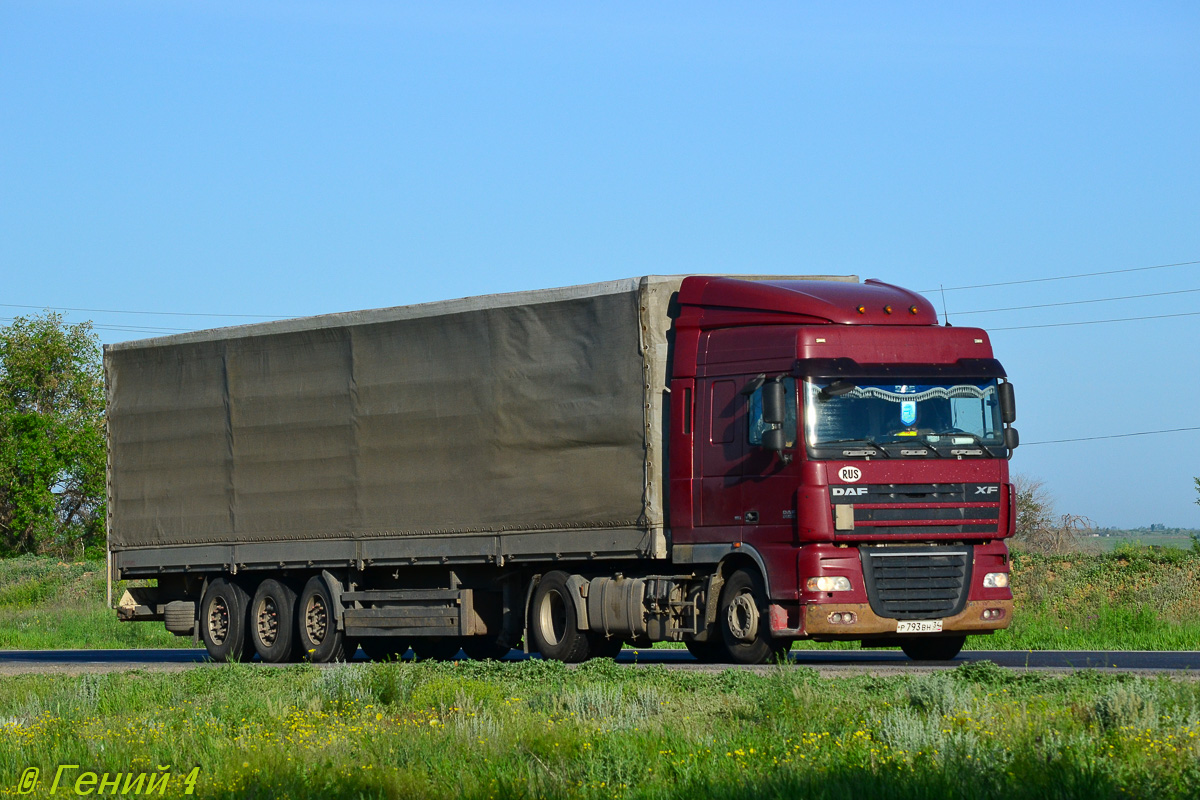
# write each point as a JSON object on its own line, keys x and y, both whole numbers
{"x": 720, "y": 445}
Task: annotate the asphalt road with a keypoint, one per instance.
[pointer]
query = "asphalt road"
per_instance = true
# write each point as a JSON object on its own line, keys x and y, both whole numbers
{"x": 828, "y": 662}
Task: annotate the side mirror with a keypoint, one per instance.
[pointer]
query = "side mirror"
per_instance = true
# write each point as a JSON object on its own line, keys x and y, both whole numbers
{"x": 1008, "y": 403}
{"x": 1011, "y": 438}
{"x": 774, "y": 400}
{"x": 775, "y": 440}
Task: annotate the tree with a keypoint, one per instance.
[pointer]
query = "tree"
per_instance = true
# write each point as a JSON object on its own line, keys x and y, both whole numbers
{"x": 52, "y": 448}
{"x": 1038, "y": 528}
{"x": 1035, "y": 507}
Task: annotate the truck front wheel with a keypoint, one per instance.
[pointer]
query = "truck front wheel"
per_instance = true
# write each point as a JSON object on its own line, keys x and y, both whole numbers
{"x": 552, "y": 621}
{"x": 743, "y": 621}
{"x": 320, "y": 639}
{"x": 223, "y": 621}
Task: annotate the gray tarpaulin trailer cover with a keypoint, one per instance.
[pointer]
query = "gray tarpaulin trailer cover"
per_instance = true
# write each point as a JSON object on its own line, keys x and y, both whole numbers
{"x": 518, "y": 425}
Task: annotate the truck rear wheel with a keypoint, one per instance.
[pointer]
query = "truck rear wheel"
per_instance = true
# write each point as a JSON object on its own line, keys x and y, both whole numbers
{"x": 320, "y": 640}
{"x": 934, "y": 648}
{"x": 223, "y": 621}
{"x": 552, "y": 618}
{"x": 273, "y": 622}
{"x": 743, "y": 621}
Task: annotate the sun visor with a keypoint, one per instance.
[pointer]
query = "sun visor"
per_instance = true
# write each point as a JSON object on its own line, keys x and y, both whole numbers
{"x": 849, "y": 368}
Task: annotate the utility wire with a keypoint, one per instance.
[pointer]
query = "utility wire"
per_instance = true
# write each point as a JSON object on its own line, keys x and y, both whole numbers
{"x": 126, "y": 328}
{"x": 1078, "y": 302}
{"x": 1094, "y": 322}
{"x": 1060, "y": 277}
{"x": 1110, "y": 436}
{"x": 150, "y": 313}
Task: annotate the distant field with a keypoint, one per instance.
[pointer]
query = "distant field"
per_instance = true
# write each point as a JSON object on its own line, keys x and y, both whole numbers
{"x": 1135, "y": 598}
{"x": 536, "y": 729}
{"x": 1177, "y": 540}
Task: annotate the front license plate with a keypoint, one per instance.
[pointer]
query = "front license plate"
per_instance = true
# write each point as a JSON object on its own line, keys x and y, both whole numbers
{"x": 919, "y": 626}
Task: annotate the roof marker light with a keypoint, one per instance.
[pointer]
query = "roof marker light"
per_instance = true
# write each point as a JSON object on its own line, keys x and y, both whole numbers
{"x": 887, "y": 309}
{"x": 862, "y": 309}
{"x": 913, "y": 310}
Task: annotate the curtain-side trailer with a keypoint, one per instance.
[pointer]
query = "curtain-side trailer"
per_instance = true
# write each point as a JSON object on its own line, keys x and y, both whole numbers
{"x": 729, "y": 462}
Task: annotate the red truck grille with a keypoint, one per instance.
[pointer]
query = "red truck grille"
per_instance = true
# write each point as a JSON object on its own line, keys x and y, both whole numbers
{"x": 921, "y": 509}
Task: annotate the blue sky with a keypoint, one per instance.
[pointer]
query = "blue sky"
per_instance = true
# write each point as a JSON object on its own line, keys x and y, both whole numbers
{"x": 298, "y": 158}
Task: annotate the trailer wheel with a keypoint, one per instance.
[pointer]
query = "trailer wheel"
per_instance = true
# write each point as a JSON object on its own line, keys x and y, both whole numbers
{"x": 273, "y": 622}
{"x": 742, "y": 620}
{"x": 935, "y": 648}
{"x": 320, "y": 639}
{"x": 384, "y": 648}
{"x": 552, "y": 621}
{"x": 433, "y": 649}
{"x": 223, "y": 621}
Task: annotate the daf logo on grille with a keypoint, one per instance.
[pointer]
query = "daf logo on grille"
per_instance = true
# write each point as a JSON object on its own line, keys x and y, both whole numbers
{"x": 849, "y": 491}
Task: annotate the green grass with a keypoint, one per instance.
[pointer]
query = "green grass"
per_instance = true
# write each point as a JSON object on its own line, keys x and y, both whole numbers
{"x": 49, "y": 604}
{"x": 538, "y": 729}
{"x": 1134, "y": 598}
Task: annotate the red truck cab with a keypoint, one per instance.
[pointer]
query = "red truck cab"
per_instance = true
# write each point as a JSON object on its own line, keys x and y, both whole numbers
{"x": 851, "y": 448}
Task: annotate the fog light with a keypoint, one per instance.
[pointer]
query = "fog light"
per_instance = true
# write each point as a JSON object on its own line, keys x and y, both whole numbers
{"x": 993, "y": 613}
{"x": 843, "y": 618}
{"x": 995, "y": 580}
{"x": 828, "y": 583}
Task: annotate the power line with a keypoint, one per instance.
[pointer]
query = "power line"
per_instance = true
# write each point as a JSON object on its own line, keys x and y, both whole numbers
{"x": 150, "y": 313}
{"x": 1110, "y": 436}
{"x": 1058, "y": 277}
{"x": 1094, "y": 322}
{"x": 125, "y": 328}
{"x": 1077, "y": 302}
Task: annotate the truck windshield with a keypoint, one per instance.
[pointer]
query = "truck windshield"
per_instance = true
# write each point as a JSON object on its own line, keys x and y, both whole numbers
{"x": 861, "y": 419}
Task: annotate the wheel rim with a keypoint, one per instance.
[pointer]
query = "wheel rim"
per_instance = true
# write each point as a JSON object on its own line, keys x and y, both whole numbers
{"x": 268, "y": 621}
{"x": 316, "y": 619}
{"x": 742, "y": 618}
{"x": 218, "y": 621}
{"x": 552, "y": 617}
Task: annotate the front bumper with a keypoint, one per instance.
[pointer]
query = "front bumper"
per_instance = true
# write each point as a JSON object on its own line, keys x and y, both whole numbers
{"x": 869, "y": 624}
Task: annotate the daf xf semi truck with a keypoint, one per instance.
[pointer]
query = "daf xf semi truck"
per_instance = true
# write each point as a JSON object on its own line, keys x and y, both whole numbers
{"x": 733, "y": 463}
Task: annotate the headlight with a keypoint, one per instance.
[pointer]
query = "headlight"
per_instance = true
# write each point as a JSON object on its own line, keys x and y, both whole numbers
{"x": 829, "y": 584}
{"x": 995, "y": 580}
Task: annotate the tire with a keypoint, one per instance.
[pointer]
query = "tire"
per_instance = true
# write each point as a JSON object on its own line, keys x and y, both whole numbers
{"x": 552, "y": 621}
{"x": 179, "y": 617}
{"x": 224, "y": 619}
{"x": 742, "y": 620}
{"x": 933, "y": 648}
{"x": 484, "y": 648}
{"x": 384, "y": 648}
{"x": 316, "y": 625}
{"x": 273, "y": 622}
{"x": 709, "y": 652}
{"x": 432, "y": 649}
